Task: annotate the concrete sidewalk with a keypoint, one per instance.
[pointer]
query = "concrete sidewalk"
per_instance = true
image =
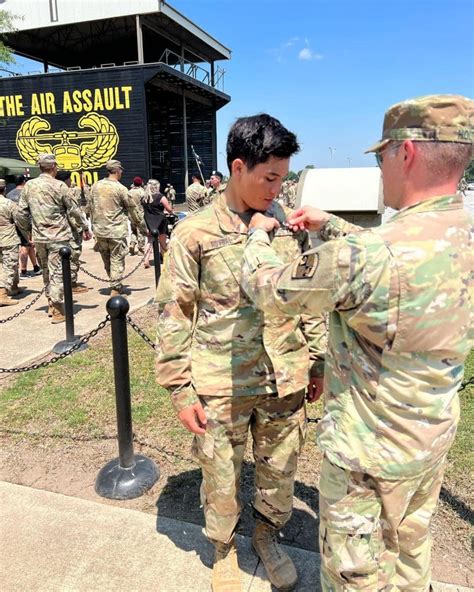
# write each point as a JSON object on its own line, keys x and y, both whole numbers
{"x": 53, "y": 543}
{"x": 32, "y": 335}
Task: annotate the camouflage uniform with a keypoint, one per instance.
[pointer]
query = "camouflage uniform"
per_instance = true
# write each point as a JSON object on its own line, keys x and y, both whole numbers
{"x": 75, "y": 194}
{"x": 9, "y": 243}
{"x": 245, "y": 368}
{"x": 137, "y": 237}
{"x": 287, "y": 195}
{"x": 46, "y": 204}
{"x": 391, "y": 377}
{"x": 213, "y": 192}
{"x": 196, "y": 196}
{"x": 110, "y": 206}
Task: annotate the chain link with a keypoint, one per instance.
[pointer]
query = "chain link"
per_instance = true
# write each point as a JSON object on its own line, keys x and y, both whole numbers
{"x": 466, "y": 383}
{"x": 116, "y": 280}
{"x": 54, "y": 359}
{"x": 140, "y": 332}
{"x": 23, "y": 310}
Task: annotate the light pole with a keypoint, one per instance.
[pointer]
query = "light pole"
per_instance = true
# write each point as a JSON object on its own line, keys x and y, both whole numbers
{"x": 331, "y": 150}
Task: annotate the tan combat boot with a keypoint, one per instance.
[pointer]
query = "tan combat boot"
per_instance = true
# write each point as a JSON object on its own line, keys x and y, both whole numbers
{"x": 114, "y": 292}
{"x": 79, "y": 288}
{"x": 15, "y": 290}
{"x": 58, "y": 313}
{"x": 226, "y": 573}
{"x": 50, "y": 308}
{"x": 279, "y": 567}
{"x": 5, "y": 299}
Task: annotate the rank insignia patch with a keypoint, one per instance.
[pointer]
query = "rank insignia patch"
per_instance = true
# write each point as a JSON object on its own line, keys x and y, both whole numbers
{"x": 305, "y": 267}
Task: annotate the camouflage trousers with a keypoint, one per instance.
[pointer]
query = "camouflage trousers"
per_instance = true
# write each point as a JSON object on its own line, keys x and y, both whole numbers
{"x": 137, "y": 238}
{"x": 113, "y": 252}
{"x": 374, "y": 534}
{"x": 9, "y": 266}
{"x": 76, "y": 250}
{"x": 278, "y": 429}
{"x": 50, "y": 262}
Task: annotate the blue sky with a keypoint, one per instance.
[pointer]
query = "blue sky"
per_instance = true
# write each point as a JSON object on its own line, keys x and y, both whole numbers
{"x": 328, "y": 69}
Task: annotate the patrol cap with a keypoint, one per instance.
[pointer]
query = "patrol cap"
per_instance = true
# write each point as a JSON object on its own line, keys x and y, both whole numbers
{"x": 113, "y": 165}
{"x": 217, "y": 174}
{"x": 432, "y": 118}
{"x": 45, "y": 159}
{"x": 3, "y": 183}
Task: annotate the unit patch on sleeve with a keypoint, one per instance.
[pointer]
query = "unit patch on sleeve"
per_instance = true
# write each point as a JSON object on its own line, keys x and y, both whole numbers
{"x": 305, "y": 267}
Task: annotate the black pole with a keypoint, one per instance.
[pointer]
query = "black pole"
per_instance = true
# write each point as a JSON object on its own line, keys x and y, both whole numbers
{"x": 71, "y": 339}
{"x": 118, "y": 308}
{"x": 129, "y": 475}
{"x": 156, "y": 255}
{"x": 65, "y": 253}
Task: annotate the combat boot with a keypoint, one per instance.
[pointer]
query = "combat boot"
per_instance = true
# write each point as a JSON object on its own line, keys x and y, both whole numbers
{"x": 131, "y": 249}
{"x": 279, "y": 567}
{"x": 58, "y": 313}
{"x": 79, "y": 288}
{"x": 5, "y": 299}
{"x": 50, "y": 308}
{"x": 226, "y": 573}
{"x": 15, "y": 290}
{"x": 115, "y": 292}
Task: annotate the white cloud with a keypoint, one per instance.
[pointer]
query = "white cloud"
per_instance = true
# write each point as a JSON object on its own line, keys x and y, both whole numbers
{"x": 308, "y": 54}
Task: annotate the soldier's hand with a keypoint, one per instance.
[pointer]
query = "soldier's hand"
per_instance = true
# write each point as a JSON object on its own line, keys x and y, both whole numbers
{"x": 264, "y": 222}
{"x": 86, "y": 235}
{"x": 315, "y": 389}
{"x": 193, "y": 418}
{"x": 307, "y": 218}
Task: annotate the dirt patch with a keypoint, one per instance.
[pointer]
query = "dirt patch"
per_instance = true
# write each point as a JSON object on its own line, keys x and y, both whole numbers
{"x": 70, "y": 467}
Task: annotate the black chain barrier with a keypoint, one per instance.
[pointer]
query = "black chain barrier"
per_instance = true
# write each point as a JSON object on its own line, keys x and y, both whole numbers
{"x": 140, "y": 332}
{"x": 61, "y": 356}
{"x": 108, "y": 280}
{"x": 23, "y": 310}
{"x": 466, "y": 383}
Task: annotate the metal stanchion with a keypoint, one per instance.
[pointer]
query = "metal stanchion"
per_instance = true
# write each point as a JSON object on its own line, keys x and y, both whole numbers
{"x": 71, "y": 339}
{"x": 129, "y": 475}
{"x": 156, "y": 255}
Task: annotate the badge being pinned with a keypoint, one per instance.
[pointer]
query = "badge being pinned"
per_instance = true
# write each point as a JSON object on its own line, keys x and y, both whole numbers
{"x": 305, "y": 267}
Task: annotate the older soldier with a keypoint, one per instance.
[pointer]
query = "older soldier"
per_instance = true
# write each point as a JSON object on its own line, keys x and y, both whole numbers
{"x": 399, "y": 297}
{"x": 110, "y": 206}
{"x": 137, "y": 238}
{"x": 196, "y": 195}
{"x": 47, "y": 202}
{"x": 9, "y": 247}
{"x": 229, "y": 368}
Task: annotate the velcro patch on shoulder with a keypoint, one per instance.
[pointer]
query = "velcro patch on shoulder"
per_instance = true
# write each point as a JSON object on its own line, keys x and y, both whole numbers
{"x": 305, "y": 267}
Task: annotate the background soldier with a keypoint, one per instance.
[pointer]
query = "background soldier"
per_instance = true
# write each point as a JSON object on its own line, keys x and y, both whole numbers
{"x": 136, "y": 194}
{"x": 75, "y": 194}
{"x": 110, "y": 206}
{"x": 9, "y": 246}
{"x": 228, "y": 369}
{"x": 399, "y": 333}
{"x": 216, "y": 186}
{"x": 45, "y": 204}
{"x": 196, "y": 195}
{"x": 170, "y": 194}
{"x": 287, "y": 194}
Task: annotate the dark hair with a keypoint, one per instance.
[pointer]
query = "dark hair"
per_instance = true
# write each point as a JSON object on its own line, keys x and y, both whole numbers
{"x": 19, "y": 179}
{"x": 254, "y": 139}
{"x": 63, "y": 175}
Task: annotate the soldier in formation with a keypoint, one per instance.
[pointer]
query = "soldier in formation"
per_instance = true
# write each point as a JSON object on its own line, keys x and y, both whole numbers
{"x": 9, "y": 247}
{"x": 196, "y": 195}
{"x": 400, "y": 304}
{"x": 137, "y": 238}
{"x": 229, "y": 369}
{"x": 46, "y": 207}
{"x": 110, "y": 208}
{"x": 75, "y": 195}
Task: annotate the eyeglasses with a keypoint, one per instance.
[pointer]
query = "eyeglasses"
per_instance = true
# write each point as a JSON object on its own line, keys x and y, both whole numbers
{"x": 379, "y": 155}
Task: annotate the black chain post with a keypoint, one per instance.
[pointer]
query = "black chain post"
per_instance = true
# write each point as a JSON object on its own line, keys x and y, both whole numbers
{"x": 71, "y": 339}
{"x": 129, "y": 475}
{"x": 156, "y": 255}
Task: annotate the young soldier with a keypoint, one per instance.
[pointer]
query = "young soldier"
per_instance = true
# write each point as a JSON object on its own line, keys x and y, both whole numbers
{"x": 229, "y": 368}
{"x": 399, "y": 297}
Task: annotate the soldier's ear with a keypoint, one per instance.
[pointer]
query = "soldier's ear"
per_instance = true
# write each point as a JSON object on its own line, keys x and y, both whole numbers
{"x": 238, "y": 167}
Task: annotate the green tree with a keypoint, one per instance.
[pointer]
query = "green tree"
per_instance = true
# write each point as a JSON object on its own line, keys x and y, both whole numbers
{"x": 6, "y": 26}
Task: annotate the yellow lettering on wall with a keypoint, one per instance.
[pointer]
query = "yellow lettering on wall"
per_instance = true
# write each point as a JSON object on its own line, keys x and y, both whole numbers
{"x": 98, "y": 102}
{"x": 35, "y": 105}
{"x": 87, "y": 96}
{"x": 11, "y": 106}
{"x": 126, "y": 91}
{"x": 50, "y": 103}
{"x": 19, "y": 105}
{"x": 67, "y": 105}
